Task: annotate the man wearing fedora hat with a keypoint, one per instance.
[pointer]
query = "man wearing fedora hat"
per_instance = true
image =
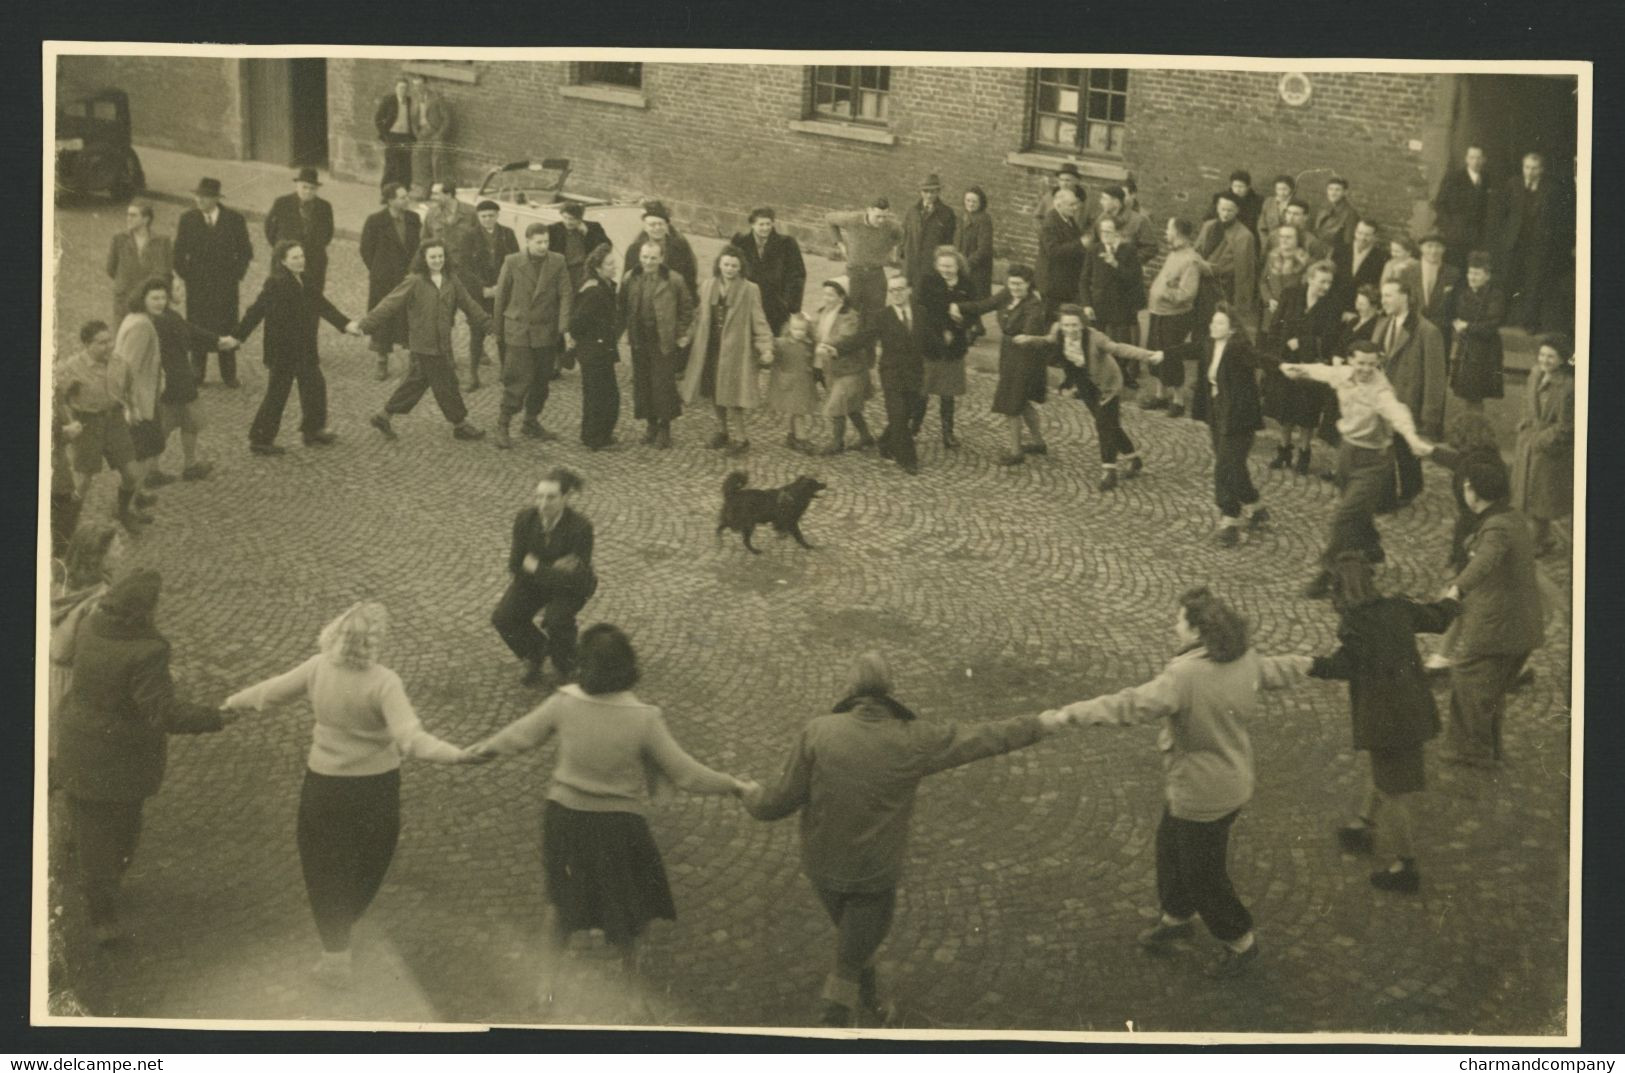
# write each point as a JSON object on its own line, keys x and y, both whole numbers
{"x": 675, "y": 252}
{"x": 1065, "y": 179}
{"x": 305, "y": 218}
{"x": 212, "y": 252}
{"x": 927, "y": 224}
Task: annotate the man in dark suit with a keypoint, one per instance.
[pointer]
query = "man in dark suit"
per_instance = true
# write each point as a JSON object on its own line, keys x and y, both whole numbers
{"x": 1531, "y": 229}
{"x": 389, "y": 241}
{"x": 1439, "y": 279}
{"x": 212, "y": 252}
{"x": 531, "y": 311}
{"x": 1060, "y": 253}
{"x": 573, "y": 237}
{"x": 1414, "y": 361}
{"x": 1500, "y": 621}
{"x": 1462, "y": 205}
{"x": 396, "y": 122}
{"x": 773, "y": 262}
{"x": 927, "y": 224}
{"x": 551, "y": 563}
{"x": 1357, "y": 264}
{"x": 485, "y": 247}
{"x": 900, "y": 329}
{"x": 305, "y": 218}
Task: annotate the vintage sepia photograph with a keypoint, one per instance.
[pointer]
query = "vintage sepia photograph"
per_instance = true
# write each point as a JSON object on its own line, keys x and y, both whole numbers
{"x": 1064, "y": 546}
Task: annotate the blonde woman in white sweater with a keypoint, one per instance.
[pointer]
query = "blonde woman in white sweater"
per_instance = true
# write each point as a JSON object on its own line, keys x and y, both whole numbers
{"x": 349, "y": 808}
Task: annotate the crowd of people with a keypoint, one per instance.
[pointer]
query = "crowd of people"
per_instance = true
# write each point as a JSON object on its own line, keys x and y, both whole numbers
{"x": 1267, "y": 309}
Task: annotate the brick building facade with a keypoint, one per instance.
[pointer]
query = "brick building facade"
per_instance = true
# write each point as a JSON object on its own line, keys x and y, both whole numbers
{"x": 714, "y": 140}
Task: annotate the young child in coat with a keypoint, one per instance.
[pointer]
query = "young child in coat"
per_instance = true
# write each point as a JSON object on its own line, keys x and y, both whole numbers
{"x": 790, "y": 387}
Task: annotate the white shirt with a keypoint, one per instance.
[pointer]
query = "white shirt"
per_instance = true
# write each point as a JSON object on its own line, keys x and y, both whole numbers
{"x": 211, "y": 217}
{"x": 1213, "y": 366}
{"x": 1359, "y": 259}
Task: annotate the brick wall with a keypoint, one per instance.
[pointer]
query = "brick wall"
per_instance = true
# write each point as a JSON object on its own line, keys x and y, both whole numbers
{"x": 715, "y": 140}
{"x": 188, "y": 104}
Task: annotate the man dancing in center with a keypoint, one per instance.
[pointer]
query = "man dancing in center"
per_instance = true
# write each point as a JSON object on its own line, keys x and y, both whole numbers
{"x": 551, "y": 564}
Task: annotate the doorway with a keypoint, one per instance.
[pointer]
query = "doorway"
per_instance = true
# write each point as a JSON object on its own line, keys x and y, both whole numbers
{"x": 1510, "y": 115}
{"x": 287, "y": 111}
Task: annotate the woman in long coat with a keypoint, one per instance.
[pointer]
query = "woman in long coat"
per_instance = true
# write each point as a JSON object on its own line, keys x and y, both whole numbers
{"x": 112, "y": 746}
{"x": 594, "y": 325}
{"x": 1476, "y": 312}
{"x": 732, "y": 341}
{"x": 657, "y": 314}
{"x": 291, "y": 306}
{"x": 135, "y": 256}
{"x": 946, "y": 338}
{"x": 1023, "y": 370}
{"x": 843, "y": 350}
{"x": 973, "y": 238}
{"x": 1543, "y": 461}
{"x": 1391, "y": 706}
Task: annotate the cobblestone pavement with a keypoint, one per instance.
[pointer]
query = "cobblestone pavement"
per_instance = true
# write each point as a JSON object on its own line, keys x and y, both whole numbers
{"x": 994, "y": 591}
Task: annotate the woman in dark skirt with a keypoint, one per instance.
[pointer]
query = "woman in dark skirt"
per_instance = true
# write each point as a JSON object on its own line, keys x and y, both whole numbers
{"x": 1392, "y": 707}
{"x": 1023, "y": 350}
{"x": 946, "y": 339}
{"x": 594, "y": 326}
{"x": 973, "y": 238}
{"x": 602, "y": 866}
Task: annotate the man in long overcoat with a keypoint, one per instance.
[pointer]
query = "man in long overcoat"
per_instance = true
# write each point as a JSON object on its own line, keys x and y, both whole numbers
{"x": 927, "y": 224}
{"x": 773, "y": 262}
{"x": 1531, "y": 229}
{"x": 389, "y": 240}
{"x": 484, "y": 249}
{"x": 304, "y": 217}
{"x": 212, "y": 252}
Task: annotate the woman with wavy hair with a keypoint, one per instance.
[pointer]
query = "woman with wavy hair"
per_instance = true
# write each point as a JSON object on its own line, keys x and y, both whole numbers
{"x": 1202, "y": 700}
{"x": 350, "y": 805}
{"x": 594, "y": 326}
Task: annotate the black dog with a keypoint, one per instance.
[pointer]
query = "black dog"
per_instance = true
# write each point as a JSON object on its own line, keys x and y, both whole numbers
{"x": 743, "y": 509}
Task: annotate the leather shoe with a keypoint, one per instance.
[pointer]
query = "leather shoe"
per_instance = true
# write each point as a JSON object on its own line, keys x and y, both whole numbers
{"x": 197, "y": 471}
{"x": 466, "y": 431}
{"x": 1035, "y": 448}
{"x": 270, "y": 450}
{"x": 158, "y": 478}
{"x": 1163, "y": 933}
{"x": 1229, "y": 963}
{"x": 321, "y": 438}
{"x": 1229, "y": 536}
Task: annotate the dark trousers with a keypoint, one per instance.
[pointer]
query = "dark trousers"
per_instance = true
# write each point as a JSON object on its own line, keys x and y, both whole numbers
{"x": 476, "y": 342}
{"x": 347, "y": 829}
{"x": 945, "y": 408}
{"x": 1478, "y": 702}
{"x": 429, "y": 372}
{"x": 228, "y": 365}
{"x": 1126, "y": 332}
{"x": 866, "y": 286}
{"x": 526, "y": 371}
{"x": 1163, "y": 333}
{"x": 316, "y": 268}
{"x": 861, "y": 924}
{"x": 312, "y": 401}
{"x": 1194, "y": 878}
{"x": 398, "y": 159}
{"x": 600, "y": 401}
{"x": 1109, "y": 429}
{"x": 515, "y": 620}
{"x": 105, "y": 834}
{"x": 897, "y": 441}
{"x": 1408, "y": 472}
{"x": 1232, "y": 484}
{"x": 1363, "y": 475}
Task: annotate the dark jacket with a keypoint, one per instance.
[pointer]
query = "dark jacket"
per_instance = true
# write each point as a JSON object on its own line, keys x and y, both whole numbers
{"x": 1436, "y": 305}
{"x": 482, "y": 257}
{"x": 1347, "y": 282}
{"x": 572, "y": 535}
{"x": 1316, "y": 330}
{"x": 429, "y": 311}
{"x": 778, "y": 271}
{"x": 1415, "y": 367}
{"x": 853, "y": 776}
{"x": 595, "y": 322}
{"x": 212, "y": 261}
{"x": 673, "y": 305}
{"x": 1115, "y": 292}
{"x": 1501, "y": 605}
{"x": 532, "y": 305}
{"x": 291, "y": 308}
{"x": 121, "y": 705}
{"x": 679, "y": 257}
{"x": 1462, "y": 209}
{"x": 177, "y": 340}
{"x": 902, "y": 349}
{"x": 1390, "y": 700}
{"x": 287, "y": 221}
{"x": 1475, "y": 354}
{"x": 387, "y": 260}
{"x": 1060, "y": 259}
{"x": 558, "y": 242}
{"x": 1529, "y": 227}
{"x": 973, "y": 237}
{"x": 1025, "y": 317}
{"x": 1248, "y": 207}
{"x": 922, "y": 234}
{"x": 853, "y": 338}
{"x": 388, "y": 111}
{"x": 944, "y": 337}
{"x": 1235, "y": 407}
{"x": 1457, "y": 462}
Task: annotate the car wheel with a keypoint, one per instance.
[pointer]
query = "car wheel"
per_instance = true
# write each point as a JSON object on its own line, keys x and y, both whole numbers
{"x": 132, "y": 181}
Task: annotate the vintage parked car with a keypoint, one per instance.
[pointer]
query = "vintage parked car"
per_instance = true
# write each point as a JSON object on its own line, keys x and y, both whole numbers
{"x": 533, "y": 190}
{"x": 93, "y": 152}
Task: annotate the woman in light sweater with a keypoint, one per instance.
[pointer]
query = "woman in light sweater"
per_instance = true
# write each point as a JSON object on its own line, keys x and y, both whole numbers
{"x": 602, "y": 866}
{"x": 350, "y": 806}
{"x": 1203, "y": 700}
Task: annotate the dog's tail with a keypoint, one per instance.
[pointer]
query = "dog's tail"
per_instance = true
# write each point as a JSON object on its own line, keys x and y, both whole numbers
{"x": 734, "y": 481}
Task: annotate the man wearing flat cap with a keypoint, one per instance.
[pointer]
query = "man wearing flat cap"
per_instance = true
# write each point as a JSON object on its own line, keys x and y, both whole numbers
{"x": 212, "y": 252}
{"x": 927, "y": 224}
{"x": 306, "y": 218}
{"x": 479, "y": 264}
{"x": 678, "y": 255}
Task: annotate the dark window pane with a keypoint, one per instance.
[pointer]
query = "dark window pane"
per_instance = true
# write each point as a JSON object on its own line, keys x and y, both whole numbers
{"x": 614, "y": 74}
{"x": 1120, "y": 81}
{"x": 1119, "y": 108}
{"x": 1099, "y": 106}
